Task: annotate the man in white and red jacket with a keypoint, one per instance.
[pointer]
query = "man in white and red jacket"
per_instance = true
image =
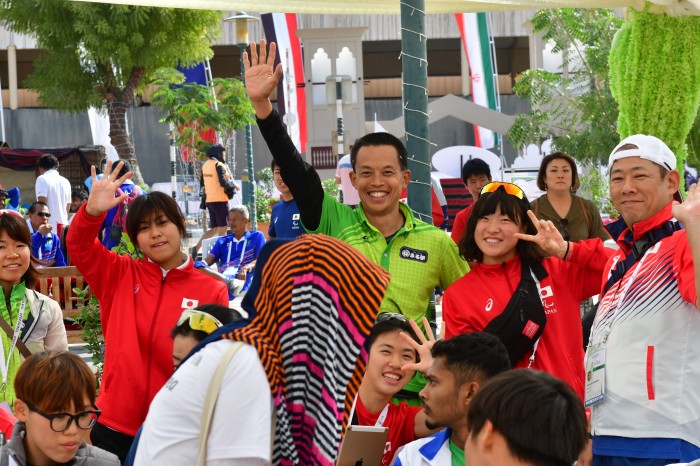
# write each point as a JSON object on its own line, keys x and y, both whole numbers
{"x": 647, "y": 327}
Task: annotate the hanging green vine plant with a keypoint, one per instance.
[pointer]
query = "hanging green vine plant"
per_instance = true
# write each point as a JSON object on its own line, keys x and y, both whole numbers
{"x": 655, "y": 77}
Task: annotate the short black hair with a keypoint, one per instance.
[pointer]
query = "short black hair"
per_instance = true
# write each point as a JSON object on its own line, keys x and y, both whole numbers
{"x": 476, "y": 356}
{"x": 512, "y": 207}
{"x": 380, "y": 139}
{"x": 391, "y": 322}
{"x": 475, "y": 167}
{"x": 216, "y": 151}
{"x": 80, "y": 193}
{"x": 126, "y": 168}
{"x": 540, "y": 417}
{"x": 223, "y": 314}
{"x": 145, "y": 207}
{"x": 273, "y": 165}
{"x": 48, "y": 162}
{"x": 32, "y": 208}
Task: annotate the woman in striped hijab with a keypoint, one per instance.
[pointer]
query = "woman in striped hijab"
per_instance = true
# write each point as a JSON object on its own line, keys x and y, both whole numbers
{"x": 310, "y": 308}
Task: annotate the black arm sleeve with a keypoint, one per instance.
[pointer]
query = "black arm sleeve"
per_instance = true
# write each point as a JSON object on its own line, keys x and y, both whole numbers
{"x": 302, "y": 179}
{"x": 221, "y": 171}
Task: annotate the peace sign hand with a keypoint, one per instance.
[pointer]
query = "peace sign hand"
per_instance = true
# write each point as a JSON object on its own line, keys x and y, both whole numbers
{"x": 423, "y": 348}
{"x": 547, "y": 238}
{"x": 105, "y": 193}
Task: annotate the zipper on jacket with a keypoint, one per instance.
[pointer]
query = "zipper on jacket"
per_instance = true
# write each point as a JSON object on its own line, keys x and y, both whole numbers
{"x": 149, "y": 357}
{"x": 505, "y": 273}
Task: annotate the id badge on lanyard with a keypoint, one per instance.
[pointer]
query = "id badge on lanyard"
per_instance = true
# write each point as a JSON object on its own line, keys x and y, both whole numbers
{"x": 595, "y": 375}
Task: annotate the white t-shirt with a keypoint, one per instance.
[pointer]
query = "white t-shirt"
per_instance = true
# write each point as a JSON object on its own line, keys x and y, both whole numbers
{"x": 56, "y": 189}
{"x": 240, "y": 428}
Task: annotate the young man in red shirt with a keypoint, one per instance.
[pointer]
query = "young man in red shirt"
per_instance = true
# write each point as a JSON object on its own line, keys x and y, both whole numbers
{"x": 383, "y": 379}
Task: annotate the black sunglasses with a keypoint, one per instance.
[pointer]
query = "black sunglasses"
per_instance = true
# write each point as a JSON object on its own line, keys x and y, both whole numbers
{"x": 44, "y": 214}
{"x": 60, "y": 422}
{"x": 384, "y": 316}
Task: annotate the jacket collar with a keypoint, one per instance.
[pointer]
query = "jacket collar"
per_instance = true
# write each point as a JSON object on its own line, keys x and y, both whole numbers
{"x": 409, "y": 224}
{"x": 430, "y": 450}
{"x": 639, "y": 229}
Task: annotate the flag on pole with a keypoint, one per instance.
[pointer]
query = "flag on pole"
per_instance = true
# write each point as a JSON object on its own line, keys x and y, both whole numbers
{"x": 473, "y": 28}
{"x": 291, "y": 101}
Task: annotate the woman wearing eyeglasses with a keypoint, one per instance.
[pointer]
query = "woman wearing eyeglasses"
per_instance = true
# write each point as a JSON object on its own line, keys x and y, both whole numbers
{"x": 575, "y": 218}
{"x": 504, "y": 236}
{"x": 56, "y": 408}
{"x": 35, "y": 318}
{"x": 140, "y": 300}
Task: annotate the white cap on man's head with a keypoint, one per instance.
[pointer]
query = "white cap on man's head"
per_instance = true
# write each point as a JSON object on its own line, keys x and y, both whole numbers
{"x": 649, "y": 148}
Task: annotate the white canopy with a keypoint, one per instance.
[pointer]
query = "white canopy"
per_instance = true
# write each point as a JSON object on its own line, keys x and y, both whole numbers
{"x": 367, "y": 7}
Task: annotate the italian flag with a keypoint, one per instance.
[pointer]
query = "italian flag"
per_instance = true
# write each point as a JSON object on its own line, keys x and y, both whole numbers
{"x": 475, "y": 38}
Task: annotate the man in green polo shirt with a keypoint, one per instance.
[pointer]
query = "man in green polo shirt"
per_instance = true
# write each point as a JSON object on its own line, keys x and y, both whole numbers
{"x": 419, "y": 256}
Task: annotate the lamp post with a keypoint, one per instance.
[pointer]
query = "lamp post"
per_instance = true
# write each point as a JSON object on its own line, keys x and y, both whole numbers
{"x": 241, "y": 19}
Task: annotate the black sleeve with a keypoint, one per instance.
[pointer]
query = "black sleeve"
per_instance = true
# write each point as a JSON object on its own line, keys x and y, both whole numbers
{"x": 221, "y": 171}
{"x": 302, "y": 179}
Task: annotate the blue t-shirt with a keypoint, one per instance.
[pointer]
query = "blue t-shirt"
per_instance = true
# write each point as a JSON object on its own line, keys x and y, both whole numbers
{"x": 48, "y": 249}
{"x": 229, "y": 253}
{"x": 285, "y": 221}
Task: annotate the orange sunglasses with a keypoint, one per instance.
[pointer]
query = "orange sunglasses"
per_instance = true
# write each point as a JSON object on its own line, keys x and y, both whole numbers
{"x": 509, "y": 188}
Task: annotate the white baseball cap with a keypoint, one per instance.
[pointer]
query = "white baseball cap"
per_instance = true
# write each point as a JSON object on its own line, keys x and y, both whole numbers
{"x": 649, "y": 148}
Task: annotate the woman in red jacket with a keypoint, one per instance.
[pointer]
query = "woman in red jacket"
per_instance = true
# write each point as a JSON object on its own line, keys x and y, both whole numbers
{"x": 140, "y": 301}
{"x": 502, "y": 234}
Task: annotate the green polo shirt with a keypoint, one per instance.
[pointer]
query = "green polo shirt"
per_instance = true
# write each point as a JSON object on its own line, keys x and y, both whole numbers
{"x": 419, "y": 257}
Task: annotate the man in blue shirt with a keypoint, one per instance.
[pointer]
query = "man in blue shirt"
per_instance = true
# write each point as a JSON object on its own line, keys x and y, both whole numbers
{"x": 236, "y": 253}
{"x": 45, "y": 244}
{"x": 285, "y": 221}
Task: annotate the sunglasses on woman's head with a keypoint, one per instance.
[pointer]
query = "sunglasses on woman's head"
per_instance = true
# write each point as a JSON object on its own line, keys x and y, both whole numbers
{"x": 385, "y": 316}
{"x": 199, "y": 320}
{"x": 509, "y": 188}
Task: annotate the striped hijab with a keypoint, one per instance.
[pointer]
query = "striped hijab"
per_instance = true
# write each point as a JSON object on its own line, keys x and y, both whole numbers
{"x": 311, "y": 306}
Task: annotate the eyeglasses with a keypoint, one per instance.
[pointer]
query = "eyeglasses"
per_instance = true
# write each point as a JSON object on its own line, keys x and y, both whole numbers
{"x": 563, "y": 228}
{"x": 509, "y": 188}
{"x": 385, "y": 316}
{"x": 11, "y": 212}
{"x": 44, "y": 214}
{"x": 199, "y": 320}
{"x": 60, "y": 422}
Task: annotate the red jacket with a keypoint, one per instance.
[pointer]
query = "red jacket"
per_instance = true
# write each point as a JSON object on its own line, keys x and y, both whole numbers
{"x": 138, "y": 307}
{"x": 471, "y": 302}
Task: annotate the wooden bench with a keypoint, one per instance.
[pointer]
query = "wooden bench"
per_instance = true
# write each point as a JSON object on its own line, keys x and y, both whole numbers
{"x": 58, "y": 284}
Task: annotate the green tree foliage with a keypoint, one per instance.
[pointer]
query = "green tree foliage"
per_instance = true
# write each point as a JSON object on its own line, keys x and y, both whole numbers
{"x": 98, "y": 55}
{"x": 576, "y": 107}
{"x": 655, "y": 77}
{"x": 193, "y": 107}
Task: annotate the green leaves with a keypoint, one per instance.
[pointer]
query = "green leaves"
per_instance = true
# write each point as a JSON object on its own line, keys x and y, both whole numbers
{"x": 575, "y": 107}
{"x": 92, "y": 48}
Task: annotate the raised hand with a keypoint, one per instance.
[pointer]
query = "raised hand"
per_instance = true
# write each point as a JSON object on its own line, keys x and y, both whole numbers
{"x": 547, "y": 238}
{"x": 105, "y": 193}
{"x": 689, "y": 211}
{"x": 261, "y": 76}
{"x": 423, "y": 348}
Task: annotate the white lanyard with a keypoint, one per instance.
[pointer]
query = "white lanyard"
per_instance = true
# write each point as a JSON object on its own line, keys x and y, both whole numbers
{"x": 534, "y": 347}
{"x": 230, "y": 248}
{"x": 5, "y": 365}
{"x": 380, "y": 419}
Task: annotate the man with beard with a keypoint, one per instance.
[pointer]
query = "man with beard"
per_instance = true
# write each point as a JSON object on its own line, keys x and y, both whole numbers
{"x": 459, "y": 367}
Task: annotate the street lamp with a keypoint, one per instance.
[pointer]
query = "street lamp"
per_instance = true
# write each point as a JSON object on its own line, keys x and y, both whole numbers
{"x": 241, "y": 19}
